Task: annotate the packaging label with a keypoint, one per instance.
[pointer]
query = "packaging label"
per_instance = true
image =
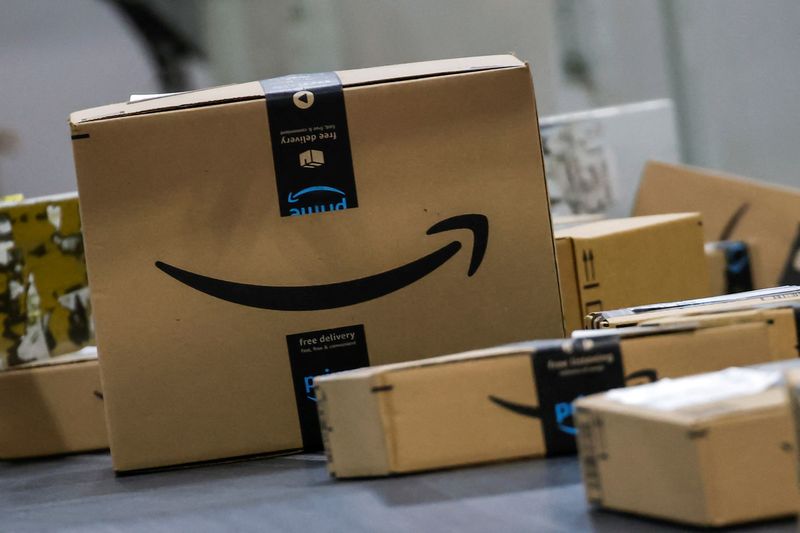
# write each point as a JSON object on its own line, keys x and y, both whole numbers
{"x": 310, "y": 144}
{"x": 791, "y": 270}
{"x": 565, "y": 371}
{"x": 321, "y": 352}
{"x": 738, "y": 277}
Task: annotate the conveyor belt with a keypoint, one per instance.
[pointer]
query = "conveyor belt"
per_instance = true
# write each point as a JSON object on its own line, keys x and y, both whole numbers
{"x": 294, "y": 493}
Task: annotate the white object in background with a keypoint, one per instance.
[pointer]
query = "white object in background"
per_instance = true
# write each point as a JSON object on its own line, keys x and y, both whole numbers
{"x": 671, "y": 394}
{"x": 594, "y": 159}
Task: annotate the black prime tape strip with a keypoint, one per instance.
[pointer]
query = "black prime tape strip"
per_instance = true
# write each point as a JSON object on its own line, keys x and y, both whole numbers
{"x": 791, "y": 270}
{"x": 564, "y": 371}
{"x": 310, "y": 143}
{"x": 738, "y": 275}
{"x": 314, "y": 353}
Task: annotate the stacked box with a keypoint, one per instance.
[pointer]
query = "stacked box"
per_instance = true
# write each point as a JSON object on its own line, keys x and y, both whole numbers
{"x": 632, "y": 316}
{"x": 616, "y": 263}
{"x": 44, "y": 303}
{"x": 52, "y": 407}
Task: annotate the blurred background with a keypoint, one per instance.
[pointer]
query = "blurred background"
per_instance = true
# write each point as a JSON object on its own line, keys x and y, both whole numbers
{"x": 729, "y": 67}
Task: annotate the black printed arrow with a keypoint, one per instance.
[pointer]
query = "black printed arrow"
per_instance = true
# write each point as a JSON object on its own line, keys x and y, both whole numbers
{"x": 533, "y": 411}
{"x": 649, "y": 374}
{"x": 317, "y": 297}
{"x": 730, "y": 225}
{"x": 518, "y": 408}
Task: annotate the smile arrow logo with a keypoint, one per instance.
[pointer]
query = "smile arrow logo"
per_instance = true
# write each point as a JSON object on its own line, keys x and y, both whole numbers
{"x": 318, "y": 297}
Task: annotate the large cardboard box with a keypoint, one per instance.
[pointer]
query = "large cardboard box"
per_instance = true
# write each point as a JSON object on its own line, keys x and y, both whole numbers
{"x": 512, "y": 401}
{"x": 52, "y": 407}
{"x": 766, "y": 217}
{"x": 239, "y": 244}
{"x": 630, "y": 261}
{"x": 632, "y": 316}
{"x": 708, "y": 450}
{"x": 45, "y": 309}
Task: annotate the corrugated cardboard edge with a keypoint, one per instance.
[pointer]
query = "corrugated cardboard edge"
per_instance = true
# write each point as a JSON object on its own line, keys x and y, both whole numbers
{"x": 355, "y": 446}
{"x": 253, "y": 90}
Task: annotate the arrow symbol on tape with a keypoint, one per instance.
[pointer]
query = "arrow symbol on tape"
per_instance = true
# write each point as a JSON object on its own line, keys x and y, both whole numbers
{"x": 331, "y": 296}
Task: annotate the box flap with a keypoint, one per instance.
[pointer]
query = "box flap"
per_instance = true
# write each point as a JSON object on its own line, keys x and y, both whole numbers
{"x": 253, "y": 90}
{"x": 425, "y": 69}
{"x": 602, "y": 228}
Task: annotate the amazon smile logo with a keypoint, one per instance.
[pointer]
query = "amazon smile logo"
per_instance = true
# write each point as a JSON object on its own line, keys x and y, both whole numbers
{"x": 344, "y": 293}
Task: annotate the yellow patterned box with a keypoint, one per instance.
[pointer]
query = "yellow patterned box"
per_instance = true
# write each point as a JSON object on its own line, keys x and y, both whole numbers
{"x": 44, "y": 294}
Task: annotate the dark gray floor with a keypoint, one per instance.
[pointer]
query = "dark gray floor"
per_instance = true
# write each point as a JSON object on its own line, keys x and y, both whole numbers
{"x": 81, "y": 493}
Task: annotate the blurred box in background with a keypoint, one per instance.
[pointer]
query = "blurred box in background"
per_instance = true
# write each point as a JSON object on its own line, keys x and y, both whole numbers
{"x": 594, "y": 159}
{"x": 766, "y": 217}
{"x": 44, "y": 303}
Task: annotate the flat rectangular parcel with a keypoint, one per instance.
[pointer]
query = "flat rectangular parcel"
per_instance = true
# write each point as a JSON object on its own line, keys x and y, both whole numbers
{"x": 243, "y": 239}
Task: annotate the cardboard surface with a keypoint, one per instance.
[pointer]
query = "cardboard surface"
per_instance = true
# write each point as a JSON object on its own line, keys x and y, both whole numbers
{"x": 46, "y": 311}
{"x": 508, "y": 402}
{"x": 766, "y": 217}
{"x": 782, "y": 321}
{"x": 445, "y": 160}
{"x": 706, "y": 462}
{"x": 52, "y": 409}
{"x": 792, "y": 379}
{"x": 616, "y": 263}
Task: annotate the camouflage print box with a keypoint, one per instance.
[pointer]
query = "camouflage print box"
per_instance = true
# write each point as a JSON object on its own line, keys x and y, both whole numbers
{"x": 44, "y": 295}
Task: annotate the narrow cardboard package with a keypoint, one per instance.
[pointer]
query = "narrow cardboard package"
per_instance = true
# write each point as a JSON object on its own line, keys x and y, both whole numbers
{"x": 46, "y": 309}
{"x": 52, "y": 407}
{"x": 766, "y": 217}
{"x": 792, "y": 378}
{"x": 630, "y": 261}
{"x": 243, "y": 239}
{"x": 511, "y": 401}
{"x": 708, "y": 450}
{"x": 632, "y": 316}
{"x": 782, "y": 320}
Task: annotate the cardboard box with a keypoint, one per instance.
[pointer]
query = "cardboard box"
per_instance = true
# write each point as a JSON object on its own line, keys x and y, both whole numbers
{"x": 52, "y": 407}
{"x": 792, "y": 378}
{"x": 766, "y": 217}
{"x": 630, "y": 261}
{"x": 45, "y": 311}
{"x": 782, "y": 320}
{"x": 425, "y": 231}
{"x": 729, "y": 267}
{"x": 708, "y": 450}
{"x": 632, "y": 316}
{"x": 507, "y": 402}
